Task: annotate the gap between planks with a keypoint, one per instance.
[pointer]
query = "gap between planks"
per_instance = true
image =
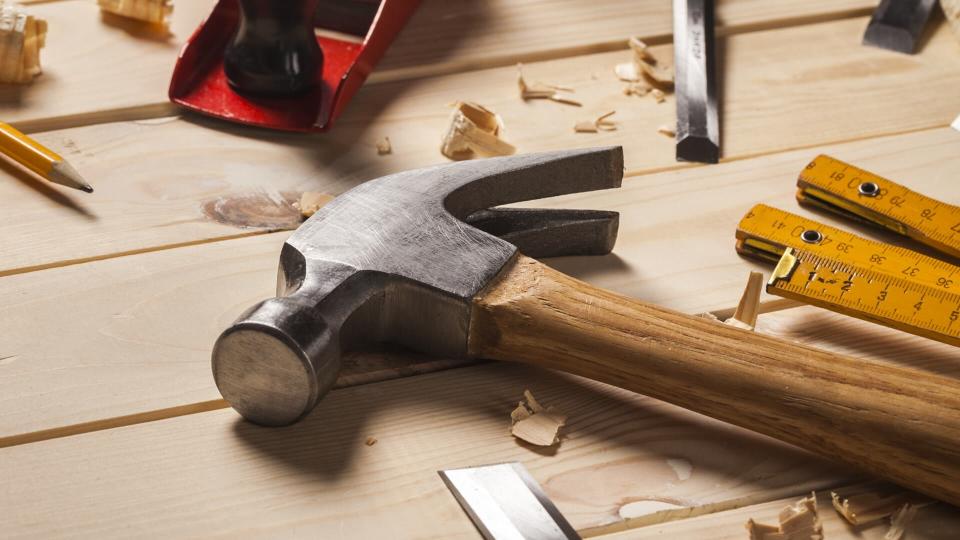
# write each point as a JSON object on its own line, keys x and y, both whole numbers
{"x": 157, "y": 110}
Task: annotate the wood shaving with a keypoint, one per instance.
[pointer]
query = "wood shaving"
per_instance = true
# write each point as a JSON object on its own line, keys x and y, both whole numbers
{"x": 899, "y": 521}
{"x": 151, "y": 11}
{"x": 538, "y": 90}
{"x": 798, "y": 521}
{"x": 370, "y": 441}
{"x": 535, "y": 424}
{"x": 602, "y": 123}
{"x": 627, "y": 72}
{"x": 876, "y": 504}
{"x": 749, "y": 307}
{"x": 639, "y": 89}
{"x": 658, "y": 75}
{"x": 311, "y": 201}
{"x": 21, "y": 38}
{"x": 474, "y": 131}
{"x": 667, "y": 130}
{"x": 951, "y": 9}
{"x": 640, "y": 51}
{"x": 658, "y": 95}
{"x": 384, "y": 147}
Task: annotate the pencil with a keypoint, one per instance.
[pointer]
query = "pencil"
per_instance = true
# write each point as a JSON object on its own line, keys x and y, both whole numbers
{"x": 39, "y": 159}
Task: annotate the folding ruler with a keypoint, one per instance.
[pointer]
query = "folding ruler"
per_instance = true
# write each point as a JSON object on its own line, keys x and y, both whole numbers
{"x": 846, "y": 273}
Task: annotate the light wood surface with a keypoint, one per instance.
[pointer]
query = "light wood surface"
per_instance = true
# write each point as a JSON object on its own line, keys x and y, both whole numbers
{"x": 168, "y": 209}
{"x": 853, "y": 411}
{"x": 936, "y": 522}
{"x": 191, "y": 475}
{"x": 116, "y": 298}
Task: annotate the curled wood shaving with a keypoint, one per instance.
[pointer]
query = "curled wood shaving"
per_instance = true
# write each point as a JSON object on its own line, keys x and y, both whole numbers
{"x": 899, "y": 521}
{"x": 951, "y": 8}
{"x": 370, "y": 441}
{"x": 535, "y": 424}
{"x": 798, "y": 521}
{"x": 311, "y": 201}
{"x": 151, "y": 11}
{"x": 640, "y": 51}
{"x": 474, "y": 131}
{"x": 669, "y": 132}
{"x": 384, "y": 147}
{"x": 646, "y": 69}
{"x": 21, "y": 38}
{"x": 538, "y": 90}
{"x": 601, "y": 123}
{"x": 749, "y": 307}
{"x": 870, "y": 506}
{"x": 658, "y": 75}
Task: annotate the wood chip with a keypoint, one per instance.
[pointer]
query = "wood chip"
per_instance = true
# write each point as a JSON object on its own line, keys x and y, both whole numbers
{"x": 660, "y": 76}
{"x": 798, "y": 521}
{"x": 601, "y": 123}
{"x": 311, "y": 201}
{"x": 474, "y": 132}
{"x": 951, "y": 8}
{"x": 384, "y": 147}
{"x": 370, "y": 441}
{"x": 535, "y": 424}
{"x": 749, "y": 307}
{"x": 658, "y": 95}
{"x": 627, "y": 72}
{"x": 538, "y": 90}
{"x": 899, "y": 521}
{"x": 21, "y": 38}
{"x": 640, "y": 51}
{"x": 876, "y": 504}
{"x": 637, "y": 89}
{"x": 667, "y": 130}
{"x": 150, "y": 11}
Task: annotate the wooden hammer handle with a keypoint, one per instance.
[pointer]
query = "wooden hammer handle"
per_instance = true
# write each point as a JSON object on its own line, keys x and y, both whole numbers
{"x": 900, "y": 424}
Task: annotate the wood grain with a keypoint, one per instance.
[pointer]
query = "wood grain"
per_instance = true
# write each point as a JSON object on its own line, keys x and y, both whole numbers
{"x": 864, "y": 414}
{"x": 151, "y": 194}
{"x": 191, "y": 475}
{"x": 100, "y": 69}
{"x": 937, "y": 522}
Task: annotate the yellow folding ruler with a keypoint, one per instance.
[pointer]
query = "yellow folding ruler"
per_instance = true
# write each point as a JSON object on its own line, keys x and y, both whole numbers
{"x": 844, "y": 272}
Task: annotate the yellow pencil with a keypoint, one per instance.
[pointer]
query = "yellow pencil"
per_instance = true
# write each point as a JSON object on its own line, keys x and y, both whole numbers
{"x": 39, "y": 159}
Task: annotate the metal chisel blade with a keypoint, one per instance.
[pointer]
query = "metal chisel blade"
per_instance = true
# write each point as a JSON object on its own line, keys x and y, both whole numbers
{"x": 896, "y": 25}
{"x": 698, "y": 125}
{"x": 506, "y": 503}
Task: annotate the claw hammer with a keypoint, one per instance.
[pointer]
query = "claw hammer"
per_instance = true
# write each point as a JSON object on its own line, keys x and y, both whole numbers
{"x": 424, "y": 259}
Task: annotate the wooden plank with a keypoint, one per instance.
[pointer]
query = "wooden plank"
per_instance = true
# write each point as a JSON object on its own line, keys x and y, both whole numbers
{"x": 135, "y": 344}
{"x": 136, "y": 208}
{"x": 444, "y": 37}
{"x": 99, "y": 70}
{"x": 206, "y": 472}
{"x": 939, "y": 521}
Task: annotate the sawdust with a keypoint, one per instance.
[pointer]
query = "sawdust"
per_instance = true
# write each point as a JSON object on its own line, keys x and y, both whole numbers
{"x": 639, "y": 89}
{"x": 531, "y": 422}
{"x": 474, "y": 131}
{"x": 384, "y": 147}
{"x": 539, "y": 90}
{"x": 150, "y": 11}
{"x": 21, "y": 38}
{"x": 798, "y": 521}
{"x": 311, "y": 201}
{"x": 658, "y": 95}
{"x": 601, "y": 123}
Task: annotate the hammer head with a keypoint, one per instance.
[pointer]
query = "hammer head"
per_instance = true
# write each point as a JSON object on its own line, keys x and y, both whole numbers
{"x": 399, "y": 259}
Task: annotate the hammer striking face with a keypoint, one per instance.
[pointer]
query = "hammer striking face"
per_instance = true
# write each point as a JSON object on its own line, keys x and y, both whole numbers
{"x": 400, "y": 259}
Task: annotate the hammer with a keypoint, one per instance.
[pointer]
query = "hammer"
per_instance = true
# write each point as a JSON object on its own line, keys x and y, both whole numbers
{"x": 424, "y": 259}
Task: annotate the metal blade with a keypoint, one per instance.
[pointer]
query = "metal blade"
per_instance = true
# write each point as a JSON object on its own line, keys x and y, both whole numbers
{"x": 698, "y": 124}
{"x": 506, "y": 503}
{"x": 896, "y": 25}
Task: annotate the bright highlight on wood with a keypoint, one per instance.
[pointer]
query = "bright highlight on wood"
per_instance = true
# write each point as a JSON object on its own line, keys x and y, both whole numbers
{"x": 39, "y": 159}
{"x": 151, "y": 11}
{"x": 21, "y": 38}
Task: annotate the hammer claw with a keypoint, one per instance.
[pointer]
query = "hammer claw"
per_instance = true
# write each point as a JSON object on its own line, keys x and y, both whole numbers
{"x": 541, "y": 232}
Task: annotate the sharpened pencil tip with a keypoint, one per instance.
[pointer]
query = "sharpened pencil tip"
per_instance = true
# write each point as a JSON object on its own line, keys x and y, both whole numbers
{"x": 65, "y": 175}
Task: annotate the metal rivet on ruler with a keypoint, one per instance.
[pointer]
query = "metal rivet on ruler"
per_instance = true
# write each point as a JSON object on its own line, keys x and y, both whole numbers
{"x": 811, "y": 236}
{"x": 869, "y": 189}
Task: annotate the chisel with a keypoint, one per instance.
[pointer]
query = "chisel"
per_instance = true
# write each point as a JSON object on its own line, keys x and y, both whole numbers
{"x": 698, "y": 126}
{"x": 896, "y": 25}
